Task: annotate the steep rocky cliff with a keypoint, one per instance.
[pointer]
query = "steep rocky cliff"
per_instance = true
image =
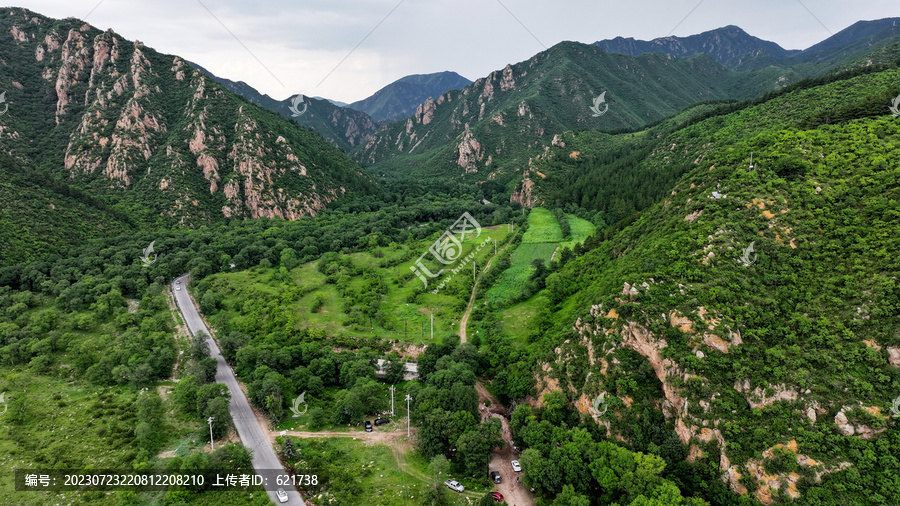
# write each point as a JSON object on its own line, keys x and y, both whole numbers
{"x": 146, "y": 132}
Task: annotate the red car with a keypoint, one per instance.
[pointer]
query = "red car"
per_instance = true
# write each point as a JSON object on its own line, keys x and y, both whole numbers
{"x": 497, "y": 496}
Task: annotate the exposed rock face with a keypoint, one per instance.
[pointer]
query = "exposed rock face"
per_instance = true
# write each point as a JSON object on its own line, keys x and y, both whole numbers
{"x": 17, "y": 34}
{"x": 691, "y": 414}
{"x": 508, "y": 81}
{"x": 894, "y": 355}
{"x": 843, "y": 424}
{"x": 425, "y": 112}
{"x": 470, "y": 152}
{"x": 757, "y": 398}
{"x": 455, "y": 117}
{"x": 524, "y": 193}
{"x": 118, "y": 121}
{"x": 74, "y": 60}
{"x": 251, "y": 190}
{"x": 769, "y": 484}
{"x": 693, "y": 216}
{"x": 859, "y": 430}
{"x": 354, "y": 133}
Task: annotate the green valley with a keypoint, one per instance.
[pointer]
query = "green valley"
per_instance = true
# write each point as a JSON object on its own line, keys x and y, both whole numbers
{"x": 514, "y": 296}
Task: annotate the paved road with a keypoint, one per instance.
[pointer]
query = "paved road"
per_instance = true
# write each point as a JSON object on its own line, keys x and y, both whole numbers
{"x": 252, "y": 435}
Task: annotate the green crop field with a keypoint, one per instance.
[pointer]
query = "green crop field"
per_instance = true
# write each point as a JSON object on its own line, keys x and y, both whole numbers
{"x": 539, "y": 242}
{"x": 581, "y": 230}
{"x": 542, "y": 227}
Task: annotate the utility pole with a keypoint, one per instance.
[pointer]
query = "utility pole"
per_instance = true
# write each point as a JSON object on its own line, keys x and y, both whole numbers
{"x": 211, "y": 444}
{"x": 392, "y": 400}
{"x": 407, "y": 414}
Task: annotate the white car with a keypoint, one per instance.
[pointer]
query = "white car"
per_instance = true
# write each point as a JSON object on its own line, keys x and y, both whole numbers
{"x": 178, "y": 288}
{"x": 454, "y": 485}
{"x": 516, "y": 467}
{"x": 282, "y": 495}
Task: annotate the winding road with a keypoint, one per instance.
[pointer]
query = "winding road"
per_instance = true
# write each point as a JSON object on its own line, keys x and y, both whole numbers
{"x": 514, "y": 492}
{"x": 252, "y": 434}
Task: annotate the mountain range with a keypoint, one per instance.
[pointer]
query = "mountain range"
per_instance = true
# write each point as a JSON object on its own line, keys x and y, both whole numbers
{"x": 727, "y": 45}
{"x": 343, "y": 127}
{"x": 135, "y": 136}
{"x": 492, "y": 130}
{"x": 736, "y": 49}
{"x": 348, "y": 125}
{"x": 399, "y": 99}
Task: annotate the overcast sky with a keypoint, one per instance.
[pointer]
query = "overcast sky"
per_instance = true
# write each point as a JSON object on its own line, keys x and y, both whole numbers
{"x": 348, "y": 49}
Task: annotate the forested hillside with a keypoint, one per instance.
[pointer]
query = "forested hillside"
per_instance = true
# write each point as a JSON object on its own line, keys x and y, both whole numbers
{"x": 621, "y": 174}
{"x": 488, "y": 130}
{"x": 736, "y": 49}
{"x": 754, "y": 310}
{"x": 493, "y": 130}
{"x": 147, "y": 136}
{"x": 399, "y": 99}
{"x": 343, "y": 127}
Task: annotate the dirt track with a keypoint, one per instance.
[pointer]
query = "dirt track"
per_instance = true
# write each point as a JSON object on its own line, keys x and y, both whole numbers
{"x": 465, "y": 317}
{"x": 375, "y": 435}
{"x": 514, "y": 493}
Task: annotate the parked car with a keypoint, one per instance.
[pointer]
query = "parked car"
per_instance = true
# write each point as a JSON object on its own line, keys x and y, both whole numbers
{"x": 382, "y": 421}
{"x": 368, "y": 426}
{"x": 495, "y": 477}
{"x": 455, "y": 485}
{"x": 497, "y": 496}
{"x": 516, "y": 467}
{"x": 282, "y": 495}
